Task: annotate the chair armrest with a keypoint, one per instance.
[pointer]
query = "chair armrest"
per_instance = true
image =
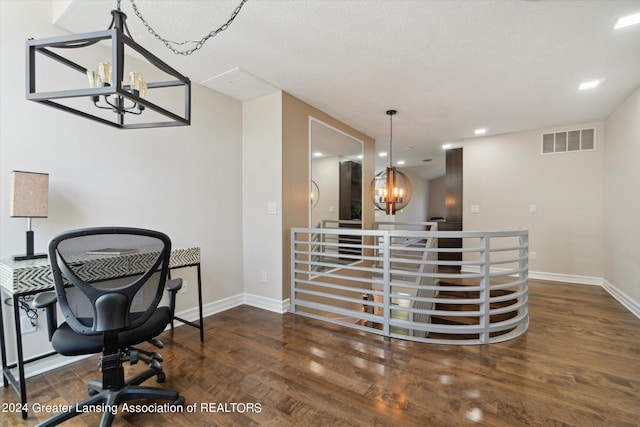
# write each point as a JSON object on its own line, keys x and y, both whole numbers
{"x": 48, "y": 300}
{"x": 173, "y": 285}
{"x": 45, "y": 300}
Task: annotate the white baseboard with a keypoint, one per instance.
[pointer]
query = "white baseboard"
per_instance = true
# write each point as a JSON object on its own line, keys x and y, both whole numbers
{"x": 624, "y": 299}
{"x": 621, "y": 297}
{"x": 567, "y": 278}
{"x": 270, "y": 304}
{"x": 211, "y": 308}
{"x": 541, "y": 275}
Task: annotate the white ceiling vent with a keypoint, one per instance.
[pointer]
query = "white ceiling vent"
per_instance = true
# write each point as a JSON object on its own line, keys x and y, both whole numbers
{"x": 569, "y": 141}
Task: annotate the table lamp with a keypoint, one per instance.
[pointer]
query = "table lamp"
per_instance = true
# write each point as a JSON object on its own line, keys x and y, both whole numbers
{"x": 29, "y": 199}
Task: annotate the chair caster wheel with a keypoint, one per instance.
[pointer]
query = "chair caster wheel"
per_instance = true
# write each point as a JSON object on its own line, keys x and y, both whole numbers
{"x": 179, "y": 401}
{"x": 161, "y": 377}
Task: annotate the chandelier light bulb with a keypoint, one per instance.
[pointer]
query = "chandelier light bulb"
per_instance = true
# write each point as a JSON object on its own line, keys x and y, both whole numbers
{"x": 136, "y": 80}
{"x": 104, "y": 68}
{"x": 143, "y": 90}
{"x": 94, "y": 79}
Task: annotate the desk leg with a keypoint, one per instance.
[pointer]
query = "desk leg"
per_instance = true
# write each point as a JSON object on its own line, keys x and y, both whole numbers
{"x": 200, "y": 303}
{"x": 3, "y": 346}
{"x": 23, "y": 383}
{"x": 200, "y": 324}
{"x": 172, "y": 301}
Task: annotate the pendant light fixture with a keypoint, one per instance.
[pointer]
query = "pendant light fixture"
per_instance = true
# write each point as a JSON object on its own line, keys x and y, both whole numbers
{"x": 390, "y": 189}
{"x": 108, "y": 98}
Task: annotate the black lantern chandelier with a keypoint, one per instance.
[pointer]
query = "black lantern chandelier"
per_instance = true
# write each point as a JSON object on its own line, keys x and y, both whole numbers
{"x": 107, "y": 99}
{"x": 391, "y": 189}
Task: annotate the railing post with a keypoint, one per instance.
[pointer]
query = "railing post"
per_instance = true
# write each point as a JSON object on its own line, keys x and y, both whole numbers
{"x": 485, "y": 293}
{"x": 386, "y": 278}
{"x": 292, "y": 297}
{"x": 524, "y": 253}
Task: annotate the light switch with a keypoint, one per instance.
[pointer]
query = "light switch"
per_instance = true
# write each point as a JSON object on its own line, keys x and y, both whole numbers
{"x": 272, "y": 208}
{"x": 475, "y": 208}
{"x": 532, "y": 208}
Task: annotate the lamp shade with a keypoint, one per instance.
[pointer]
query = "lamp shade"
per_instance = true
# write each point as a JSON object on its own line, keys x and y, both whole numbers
{"x": 29, "y": 195}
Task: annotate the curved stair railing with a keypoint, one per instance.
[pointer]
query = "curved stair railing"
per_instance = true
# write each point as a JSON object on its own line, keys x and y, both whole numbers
{"x": 391, "y": 282}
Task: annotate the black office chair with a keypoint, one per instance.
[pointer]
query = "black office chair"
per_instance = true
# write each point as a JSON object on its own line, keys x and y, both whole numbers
{"x": 109, "y": 282}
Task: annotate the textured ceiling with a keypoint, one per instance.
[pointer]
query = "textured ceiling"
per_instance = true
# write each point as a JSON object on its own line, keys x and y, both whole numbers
{"x": 448, "y": 67}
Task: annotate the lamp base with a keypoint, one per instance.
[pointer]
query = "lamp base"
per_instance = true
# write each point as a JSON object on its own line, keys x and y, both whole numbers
{"x": 28, "y": 257}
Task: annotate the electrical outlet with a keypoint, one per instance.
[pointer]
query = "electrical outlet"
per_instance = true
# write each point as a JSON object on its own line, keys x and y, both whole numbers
{"x": 533, "y": 256}
{"x": 263, "y": 276}
{"x": 25, "y": 325}
{"x": 185, "y": 286}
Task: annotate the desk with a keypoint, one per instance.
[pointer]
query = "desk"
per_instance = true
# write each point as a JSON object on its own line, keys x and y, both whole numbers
{"x": 23, "y": 278}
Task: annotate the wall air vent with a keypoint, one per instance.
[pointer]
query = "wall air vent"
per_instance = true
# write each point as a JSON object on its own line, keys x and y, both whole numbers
{"x": 569, "y": 141}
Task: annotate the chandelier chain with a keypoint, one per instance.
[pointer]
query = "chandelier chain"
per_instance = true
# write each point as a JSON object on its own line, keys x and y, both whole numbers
{"x": 199, "y": 43}
{"x": 390, "y": 140}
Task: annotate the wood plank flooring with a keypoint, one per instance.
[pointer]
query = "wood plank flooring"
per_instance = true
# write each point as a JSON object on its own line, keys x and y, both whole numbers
{"x": 577, "y": 365}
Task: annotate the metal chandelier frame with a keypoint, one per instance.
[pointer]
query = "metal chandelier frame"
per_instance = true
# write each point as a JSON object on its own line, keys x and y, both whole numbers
{"x": 118, "y": 39}
{"x": 390, "y": 197}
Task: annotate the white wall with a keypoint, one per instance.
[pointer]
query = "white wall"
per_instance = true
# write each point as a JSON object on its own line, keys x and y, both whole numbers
{"x": 622, "y": 198}
{"x": 185, "y": 181}
{"x": 417, "y": 209}
{"x": 262, "y": 185}
{"x": 505, "y": 174}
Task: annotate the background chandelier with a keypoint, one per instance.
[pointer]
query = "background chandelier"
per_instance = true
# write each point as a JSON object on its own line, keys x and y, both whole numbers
{"x": 391, "y": 189}
{"x": 110, "y": 100}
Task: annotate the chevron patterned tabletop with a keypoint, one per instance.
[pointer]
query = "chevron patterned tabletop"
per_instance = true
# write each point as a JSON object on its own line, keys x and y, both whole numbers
{"x": 21, "y": 277}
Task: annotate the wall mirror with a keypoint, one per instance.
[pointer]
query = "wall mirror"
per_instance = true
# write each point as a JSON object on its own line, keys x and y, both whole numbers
{"x": 335, "y": 185}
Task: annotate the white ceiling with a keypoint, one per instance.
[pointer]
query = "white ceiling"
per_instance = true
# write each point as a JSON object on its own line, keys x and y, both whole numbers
{"x": 448, "y": 67}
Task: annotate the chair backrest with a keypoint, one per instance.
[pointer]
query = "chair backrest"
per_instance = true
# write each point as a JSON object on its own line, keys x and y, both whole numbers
{"x": 109, "y": 278}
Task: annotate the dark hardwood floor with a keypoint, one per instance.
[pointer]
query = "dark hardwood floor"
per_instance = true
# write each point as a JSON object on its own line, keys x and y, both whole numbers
{"x": 577, "y": 365}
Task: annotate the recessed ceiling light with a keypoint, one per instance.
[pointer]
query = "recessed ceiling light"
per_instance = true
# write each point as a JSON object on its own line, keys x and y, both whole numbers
{"x": 480, "y": 131}
{"x": 360, "y": 156}
{"x": 317, "y": 154}
{"x": 382, "y": 154}
{"x": 625, "y": 21}
{"x": 400, "y": 162}
{"x": 589, "y": 85}
{"x": 446, "y": 146}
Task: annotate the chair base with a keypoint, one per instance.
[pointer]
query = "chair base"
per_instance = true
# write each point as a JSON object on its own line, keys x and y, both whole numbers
{"x": 108, "y": 400}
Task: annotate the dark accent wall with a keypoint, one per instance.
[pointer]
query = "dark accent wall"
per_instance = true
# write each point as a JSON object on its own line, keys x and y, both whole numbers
{"x": 453, "y": 186}
{"x": 350, "y": 190}
{"x": 453, "y": 204}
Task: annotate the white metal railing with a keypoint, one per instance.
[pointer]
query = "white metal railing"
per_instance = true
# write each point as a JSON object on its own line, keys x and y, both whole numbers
{"x": 326, "y": 245}
{"x": 397, "y": 284}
